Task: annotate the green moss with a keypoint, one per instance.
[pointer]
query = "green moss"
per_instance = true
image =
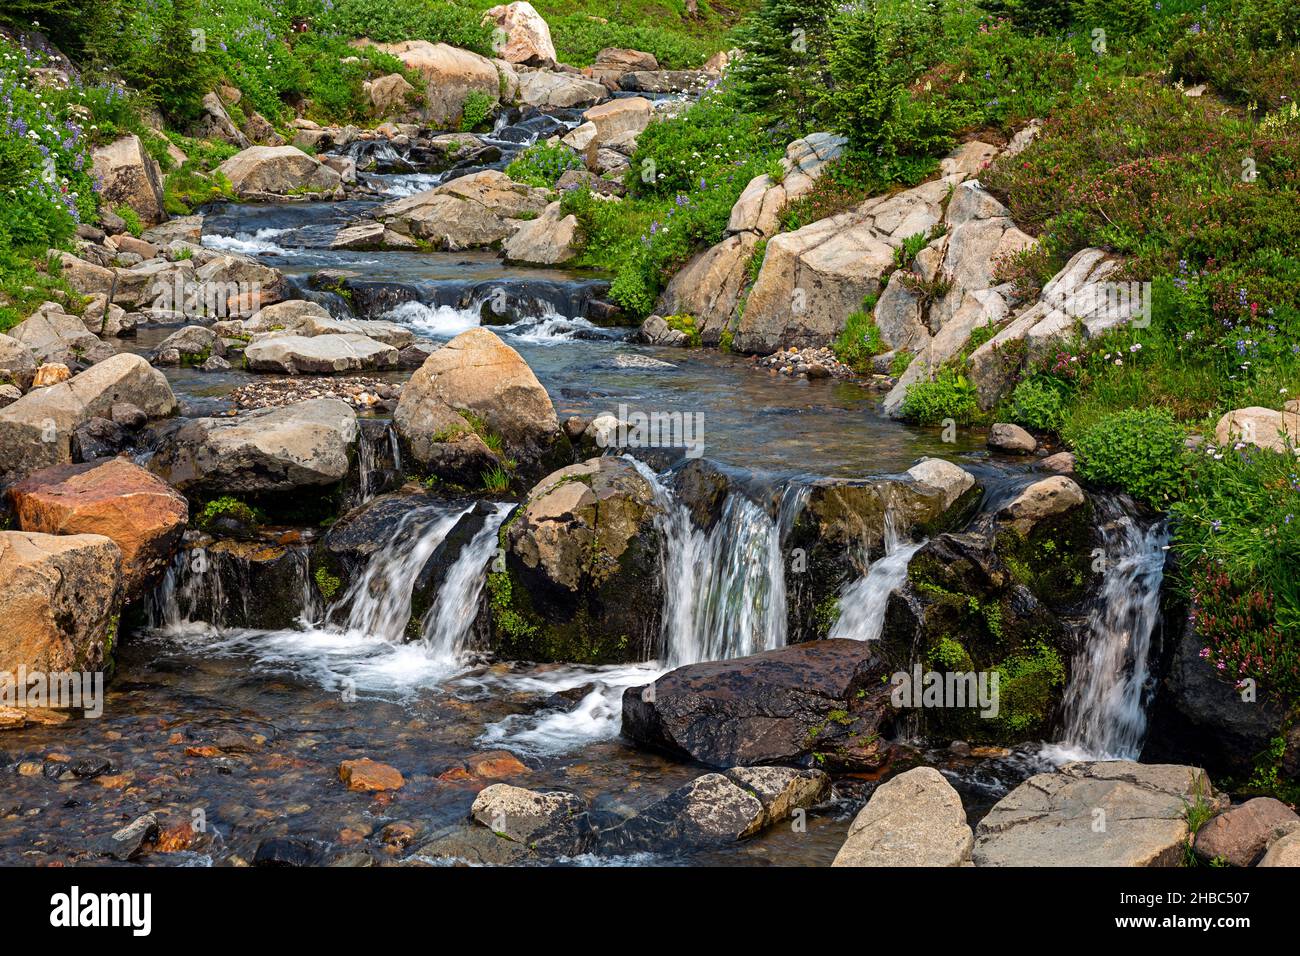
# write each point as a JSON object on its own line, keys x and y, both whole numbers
{"x": 227, "y": 506}
{"x": 825, "y": 613}
{"x": 328, "y": 584}
{"x": 1027, "y": 685}
{"x": 686, "y": 325}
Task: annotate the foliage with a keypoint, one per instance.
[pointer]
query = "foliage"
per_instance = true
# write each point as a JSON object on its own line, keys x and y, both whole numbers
{"x": 1138, "y": 450}
{"x": 478, "y": 106}
{"x": 1238, "y": 528}
{"x": 543, "y": 165}
{"x": 1039, "y": 403}
{"x": 948, "y": 395}
{"x": 859, "y": 342}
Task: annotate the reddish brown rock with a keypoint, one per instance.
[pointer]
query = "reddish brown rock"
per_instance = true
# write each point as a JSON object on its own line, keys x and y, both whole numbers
{"x": 367, "y": 775}
{"x": 141, "y": 513}
{"x": 1240, "y": 836}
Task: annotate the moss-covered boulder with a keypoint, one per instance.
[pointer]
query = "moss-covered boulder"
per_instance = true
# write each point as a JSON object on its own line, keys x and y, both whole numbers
{"x": 1003, "y": 597}
{"x": 581, "y": 578}
{"x": 843, "y": 522}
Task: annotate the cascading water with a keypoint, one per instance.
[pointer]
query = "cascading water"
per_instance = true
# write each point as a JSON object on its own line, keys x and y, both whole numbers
{"x": 211, "y": 587}
{"x": 1105, "y": 703}
{"x": 863, "y": 602}
{"x": 379, "y": 600}
{"x": 379, "y": 459}
{"x": 447, "y": 623}
{"x": 724, "y": 589}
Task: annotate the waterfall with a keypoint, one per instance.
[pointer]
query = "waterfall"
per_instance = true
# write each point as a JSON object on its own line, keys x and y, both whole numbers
{"x": 379, "y": 460}
{"x": 379, "y": 600}
{"x": 863, "y": 602}
{"x": 724, "y": 589}
{"x": 447, "y": 622}
{"x": 1104, "y": 706}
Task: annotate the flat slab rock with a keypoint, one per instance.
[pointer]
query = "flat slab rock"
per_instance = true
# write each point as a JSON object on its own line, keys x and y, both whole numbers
{"x": 1104, "y": 813}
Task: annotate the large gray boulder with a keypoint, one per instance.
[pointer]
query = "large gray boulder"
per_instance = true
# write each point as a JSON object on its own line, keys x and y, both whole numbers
{"x": 129, "y": 176}
{"x": 476, "y": 374}
{"x": 305, "y": 445}
{"x": 37, "y": 430}
{"x": 475, "y": 210}
{"x": 916, "y": 819}
{"x": 319, "y": 354}
{"x": 1111, "y": 813}
{"x": 270, "y": 173}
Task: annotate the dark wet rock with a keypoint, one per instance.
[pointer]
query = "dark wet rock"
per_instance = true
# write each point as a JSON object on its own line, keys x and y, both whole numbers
{"x": 471, "y": 844}
{"x": 98, "y": 438}
{"x": 552, "y": 823}
{"x": 703, "y": 487}
{"x": 843, "y": 521}
{"x": 343, "y": 554}
{"x": 285, "y": 852}
{"x": 581, "y": 577}
{"x": 241, "y": 583}
{"x": 1197, "y": 715}
{"x": 88, "y": 767}
{"x": 129, "y": 841}
{"x": 821, "y": 702}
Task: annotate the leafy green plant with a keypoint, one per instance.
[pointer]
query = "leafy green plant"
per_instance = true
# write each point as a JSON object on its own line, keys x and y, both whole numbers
{"x": 859, "y": 342}
{"x": 949, "y": 395}
{"x": 1039, "y": 403}
{"x": 1138, "y": 450}
{"x": 477, "y": 108}
{"x": 543, "y": 165}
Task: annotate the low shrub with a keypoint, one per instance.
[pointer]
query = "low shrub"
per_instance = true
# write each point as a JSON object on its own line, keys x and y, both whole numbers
{"x": 1137, "y": 450}
{"x": 543, "y": 165}
{"x": 948, "y": 395}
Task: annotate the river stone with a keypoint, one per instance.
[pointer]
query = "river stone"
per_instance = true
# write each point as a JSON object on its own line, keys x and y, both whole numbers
{"x": 318, "y": 354}
{"x": 628, "y": 114}
{"x": 475, "y": 210}
{"x": 1054, "y": 819}
{"x": 542, "y": 88}
{"x": 708, "y": 286}
{"x": 191, "y": 345}
{"x": 367, "y": 776}
{"x": 37, "y": 430}
{"x": 548, "y": 240}
{"x": 474, "y": 845}
{"x": 304, "y": 445}
{"x": 710, "y": 810}
{"x": 952, "y": 480}
{"x": 477, "y": 373}
{"x": 916, "y": 819}
{"x": 61, "y": 598}
{"x": 128, "y": 176}
{"x": 782, "y": 790}
{"x": 1241, "y": 835}
{"x": 450, "y": 75}
{"x": 276, "y": 172}
{"x": 141, "y": 514}
{"x": 1042, "y": 500}
{"x": 663, "y": 81}
{"x": 553, "y": 822}
{"x": 56, "y": 337}
{"x": 781, "y": 706}
{"x": 582, "y": 555}
{"x": 528, "y": 38}
{"x": 612, "y": 62}
{"x": 1284, "y": 851}
{"x": 1012, "y": 439}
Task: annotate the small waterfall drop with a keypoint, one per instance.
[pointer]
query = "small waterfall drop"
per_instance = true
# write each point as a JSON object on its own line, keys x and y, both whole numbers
{"x": 863, "y": 602}
{"x": 379, "y": 600}
{"x": 724, "y": 589}
{"x": 448, "y": 621}
{"x": 1105, "y": 702}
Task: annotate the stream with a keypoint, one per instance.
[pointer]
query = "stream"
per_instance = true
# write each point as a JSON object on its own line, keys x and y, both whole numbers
{"x": 246, "y": 728}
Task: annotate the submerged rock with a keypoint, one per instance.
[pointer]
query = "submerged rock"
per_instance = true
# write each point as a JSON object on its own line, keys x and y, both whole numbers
{"x": 916, "y": 819}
